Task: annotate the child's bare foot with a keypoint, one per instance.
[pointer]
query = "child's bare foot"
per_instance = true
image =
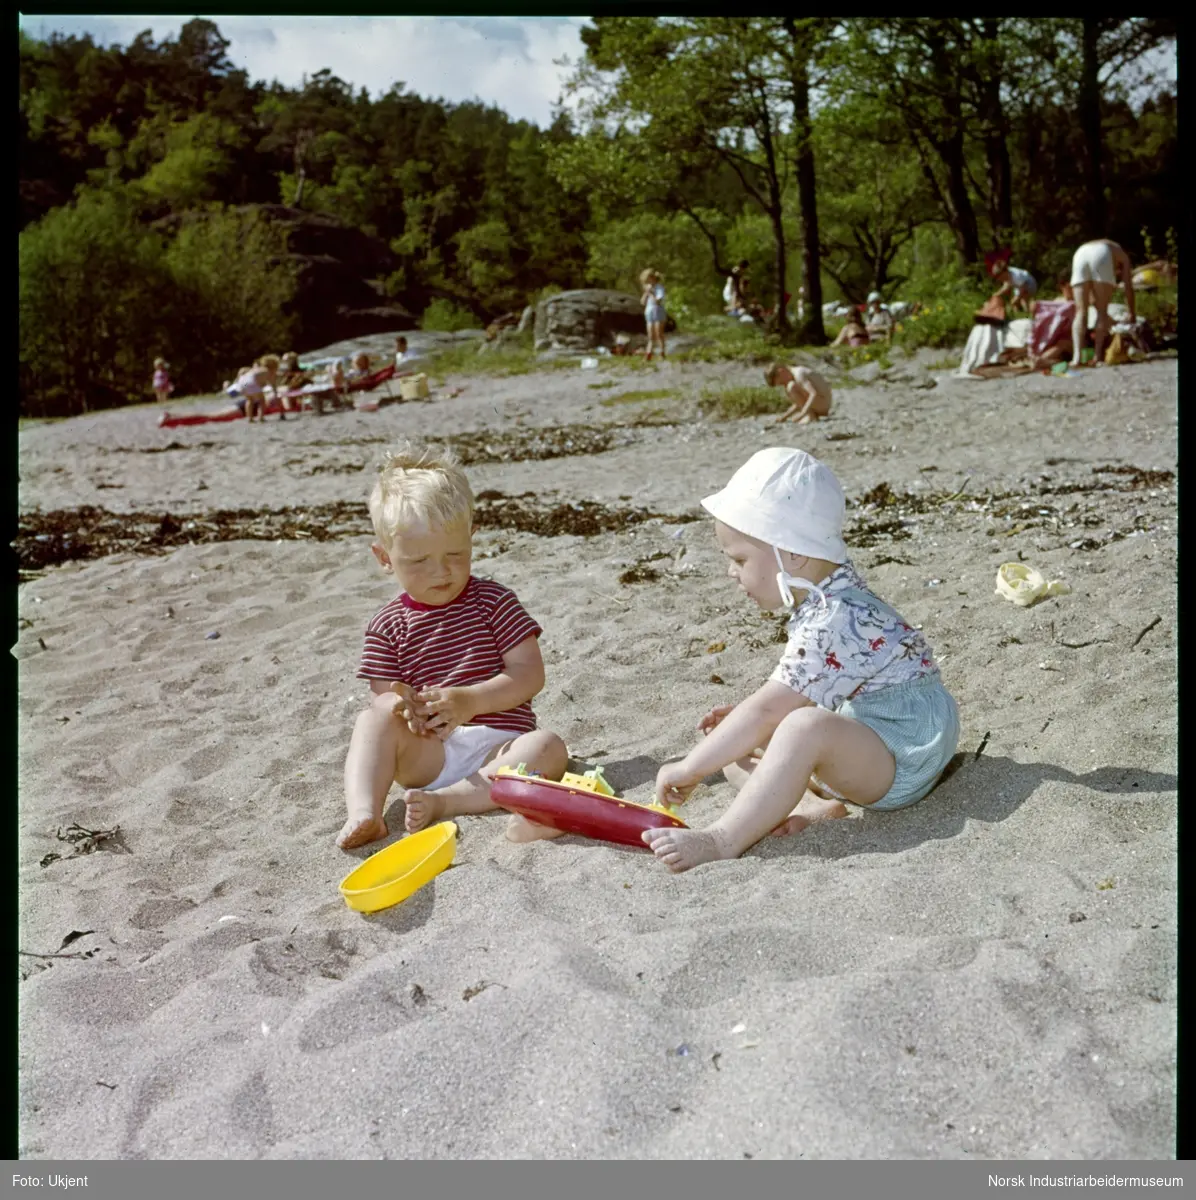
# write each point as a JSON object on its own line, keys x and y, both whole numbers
{"x": 809, "y": 809}
{"x": 424, "y": 809}
{"x": 681, "y": 849}
{"x": 359, "y": 831}
{"x": 520, "y": 829}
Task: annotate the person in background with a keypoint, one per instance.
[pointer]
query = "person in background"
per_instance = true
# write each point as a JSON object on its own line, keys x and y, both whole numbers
{"x": 853, "y": 333}
{"x": 1020, "y": 286}
{"x": 809, "y": 394}
{"x": 161, "y": 382}
{"x": 1095, "y": 270}
{"x": 652, "y": 298}
{"x": 877, "y": 318}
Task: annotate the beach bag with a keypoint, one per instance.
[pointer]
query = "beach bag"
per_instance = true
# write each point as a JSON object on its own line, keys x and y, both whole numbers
{"x": 1116, "y": 354}
{"x": 414, "y": 387}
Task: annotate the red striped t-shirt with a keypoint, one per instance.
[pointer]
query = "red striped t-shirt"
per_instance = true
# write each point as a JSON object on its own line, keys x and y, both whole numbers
{"x": 451, "y": 645}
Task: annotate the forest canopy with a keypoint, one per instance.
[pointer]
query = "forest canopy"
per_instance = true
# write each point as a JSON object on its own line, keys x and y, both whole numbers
{"x": 838, "y": 156}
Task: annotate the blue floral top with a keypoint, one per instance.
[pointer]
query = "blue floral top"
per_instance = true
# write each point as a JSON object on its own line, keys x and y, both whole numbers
{"x": 847, "y": 642}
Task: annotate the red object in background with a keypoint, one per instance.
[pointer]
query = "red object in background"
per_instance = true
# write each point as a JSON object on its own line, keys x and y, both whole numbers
{"x": 573, "y": 810}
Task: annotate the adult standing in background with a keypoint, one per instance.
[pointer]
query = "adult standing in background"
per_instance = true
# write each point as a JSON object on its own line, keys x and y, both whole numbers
{"x": 1095, "y": 268}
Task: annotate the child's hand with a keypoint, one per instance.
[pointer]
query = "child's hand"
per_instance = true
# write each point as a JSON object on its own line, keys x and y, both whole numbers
{"x": 444, "y": 709}
{"x": 404, "y": 708}
{"x": 674, "y": 784}
{"x": 714, "y": 717}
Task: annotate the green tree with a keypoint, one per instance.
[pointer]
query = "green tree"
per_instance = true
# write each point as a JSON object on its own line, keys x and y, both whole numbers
{"x": 92, "y": 287}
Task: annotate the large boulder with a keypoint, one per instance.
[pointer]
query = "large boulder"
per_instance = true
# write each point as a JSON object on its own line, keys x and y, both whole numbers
{"x": 588, "y": 318}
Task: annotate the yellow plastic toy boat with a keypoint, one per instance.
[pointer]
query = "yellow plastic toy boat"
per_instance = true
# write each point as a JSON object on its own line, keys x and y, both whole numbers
{"x": 393, "y": 874}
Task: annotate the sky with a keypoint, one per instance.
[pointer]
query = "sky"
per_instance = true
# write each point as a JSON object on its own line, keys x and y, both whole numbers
{"x": 505, "y": 61}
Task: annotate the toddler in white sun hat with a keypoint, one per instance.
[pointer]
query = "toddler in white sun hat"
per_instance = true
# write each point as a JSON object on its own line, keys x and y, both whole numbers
{"x": 855, "y": 712}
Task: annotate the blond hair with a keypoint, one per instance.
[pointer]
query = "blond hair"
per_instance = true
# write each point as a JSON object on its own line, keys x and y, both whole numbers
{"x": 772, "y": 375}
{"x": 269, "y": 361}
{"x": 648, "y": 274}
{"x": 419, "y": 488}
{"x": 159, "y": 363}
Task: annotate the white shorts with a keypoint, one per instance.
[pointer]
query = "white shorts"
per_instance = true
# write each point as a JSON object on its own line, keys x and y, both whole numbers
{"x": 466, "y": 750}
{"x": 1093, "y": 263}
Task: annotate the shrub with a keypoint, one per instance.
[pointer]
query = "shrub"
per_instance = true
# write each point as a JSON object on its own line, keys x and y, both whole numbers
{"x": 443, "y": 316}
{"x": 92, "y": 288}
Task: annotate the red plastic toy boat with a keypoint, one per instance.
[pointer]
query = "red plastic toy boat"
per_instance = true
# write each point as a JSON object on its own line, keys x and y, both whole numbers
{"x": 575, "y": 806}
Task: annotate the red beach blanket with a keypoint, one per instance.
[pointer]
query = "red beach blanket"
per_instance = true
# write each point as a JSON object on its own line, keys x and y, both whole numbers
{"x": 364, "y": 384}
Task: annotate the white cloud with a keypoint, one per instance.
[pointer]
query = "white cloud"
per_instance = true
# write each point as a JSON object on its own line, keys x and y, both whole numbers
{"x": 504, "y": 61}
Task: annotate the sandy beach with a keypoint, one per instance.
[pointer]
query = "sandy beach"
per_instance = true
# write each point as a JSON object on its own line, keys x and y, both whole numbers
{"x": 989, "y": 974}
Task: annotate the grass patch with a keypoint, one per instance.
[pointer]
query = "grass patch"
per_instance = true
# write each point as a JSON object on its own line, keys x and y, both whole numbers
{"x": 507, "y": 358}
{"x": 606, "y": 383}
{"x": 728, "y": 340}
{"x": 728, "y": 404}
{"x": 638, "y": 396}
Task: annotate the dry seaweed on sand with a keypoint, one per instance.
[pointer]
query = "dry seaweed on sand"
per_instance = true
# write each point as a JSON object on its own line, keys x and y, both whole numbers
{"x": 579, "y": 518}
{"x": 522, "y": 445}
{"x": 45, "y": 539}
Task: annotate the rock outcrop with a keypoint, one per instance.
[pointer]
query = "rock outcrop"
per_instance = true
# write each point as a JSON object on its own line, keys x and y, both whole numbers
{"x": 336, "y": 268}
{"x": 588, "y": 318}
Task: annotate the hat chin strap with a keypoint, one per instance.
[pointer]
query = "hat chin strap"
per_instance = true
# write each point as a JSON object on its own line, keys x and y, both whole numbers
{"x": 785, "y": 580}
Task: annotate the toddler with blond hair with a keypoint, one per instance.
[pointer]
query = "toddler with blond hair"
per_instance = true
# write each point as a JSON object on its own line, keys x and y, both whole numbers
{"x": 453, "y": 663}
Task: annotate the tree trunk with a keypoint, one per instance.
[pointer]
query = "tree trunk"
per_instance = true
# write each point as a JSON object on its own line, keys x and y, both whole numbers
{"x": 812, "y": 330}
{"x": 777, "y": 217}
{"x": 1089, "y": 103}
{"x": 996, "y": 148}
{"x": 950, "y": 148}
{"x": 959, "y": 203}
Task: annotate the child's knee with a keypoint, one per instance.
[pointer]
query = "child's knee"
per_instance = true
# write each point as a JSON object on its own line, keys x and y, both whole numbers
{"x": 548, "y": 749}
{"x": 806, "y": 722}
{"x": 383, "y": 703}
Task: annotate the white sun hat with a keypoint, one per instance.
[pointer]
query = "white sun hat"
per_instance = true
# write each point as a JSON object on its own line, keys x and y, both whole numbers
{"x": 873, "y": 296}
{"x": 787, "y": 498}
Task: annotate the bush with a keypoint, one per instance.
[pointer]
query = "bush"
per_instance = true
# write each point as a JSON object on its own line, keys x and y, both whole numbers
{"x": 227, "y": 315}
{"x": 443, "y": 316}
{"x": 1160, "y": 310}
{"x": 92, "y": 288}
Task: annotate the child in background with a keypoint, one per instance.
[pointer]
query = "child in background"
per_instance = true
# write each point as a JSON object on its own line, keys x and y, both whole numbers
{"x": 453, "y": 664}
{"x": 808, "y": 392}
{"x": 162, "y": 385}
{"x": 654, "y": 314}
{"x": 853, "y": 333}
{"x": 855, "y": 712}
